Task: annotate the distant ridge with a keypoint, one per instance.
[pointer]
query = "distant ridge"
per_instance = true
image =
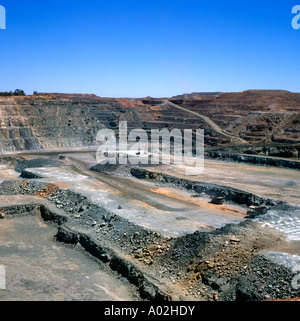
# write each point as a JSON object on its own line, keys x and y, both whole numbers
{"x": 275, "y": 95}
{"x": 199, "y": 95}
{"x": 65, "y": 95}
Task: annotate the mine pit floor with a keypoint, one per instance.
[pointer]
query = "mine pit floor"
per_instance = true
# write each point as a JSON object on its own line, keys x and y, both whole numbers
{"x": 157, "y": 236}
{"x": 38, "y": 268}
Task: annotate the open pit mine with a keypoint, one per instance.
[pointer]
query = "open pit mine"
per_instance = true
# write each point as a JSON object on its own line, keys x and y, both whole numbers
{"x": 71, "y": 229}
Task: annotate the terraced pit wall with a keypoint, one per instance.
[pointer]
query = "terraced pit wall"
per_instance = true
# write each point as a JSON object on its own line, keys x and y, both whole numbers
{"x": 54, "y": 121}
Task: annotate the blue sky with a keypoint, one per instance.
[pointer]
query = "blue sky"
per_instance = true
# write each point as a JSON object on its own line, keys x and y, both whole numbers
{"x": 136, "y": 48}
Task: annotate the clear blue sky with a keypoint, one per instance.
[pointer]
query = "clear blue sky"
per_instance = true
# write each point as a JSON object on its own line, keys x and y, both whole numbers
{"x": 136, "y": 48}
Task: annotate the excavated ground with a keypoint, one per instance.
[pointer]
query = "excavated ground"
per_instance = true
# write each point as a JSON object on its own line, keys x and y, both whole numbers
{"x": 41, "y": 269}
{"x": 152, "y": 233}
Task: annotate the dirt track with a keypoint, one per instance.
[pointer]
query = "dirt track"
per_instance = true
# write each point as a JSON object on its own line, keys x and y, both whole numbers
{"x": 211, "y": 123}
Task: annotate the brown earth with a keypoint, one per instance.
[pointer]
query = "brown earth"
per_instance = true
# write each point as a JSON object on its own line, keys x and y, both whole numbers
{"x": 219, "y": 265}
{"x": 254, "y": 115}
{"x": 71, "y": 120}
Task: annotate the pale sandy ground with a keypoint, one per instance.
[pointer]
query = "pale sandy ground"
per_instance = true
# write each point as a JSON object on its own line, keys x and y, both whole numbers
{"x": 277, "y": 183}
